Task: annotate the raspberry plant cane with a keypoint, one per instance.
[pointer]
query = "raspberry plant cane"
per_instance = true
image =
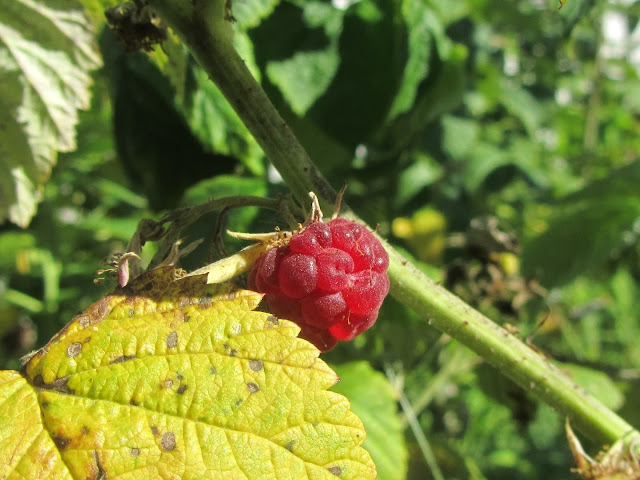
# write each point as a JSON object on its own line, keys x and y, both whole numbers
{"x": 205, "y": 28}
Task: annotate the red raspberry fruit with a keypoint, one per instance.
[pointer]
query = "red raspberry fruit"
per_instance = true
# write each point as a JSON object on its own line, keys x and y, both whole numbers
{"x": 330, "y": 279}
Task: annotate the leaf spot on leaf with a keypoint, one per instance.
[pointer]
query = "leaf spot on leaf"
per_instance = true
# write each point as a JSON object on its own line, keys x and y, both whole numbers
{"x": 256, "y": 365}
{"x": 253, "y": 387}
{"x": 154, "y": 430}
{"x": 84, "y": 321}
{"x": 239, "y": 402}
{"x": 182, "y": 389}
{"x": 179, "y": 376}
{"x": 337, "y": 471}
{"x": 103, "y": 307}
{"x": 172, "y": 340}
{"x": 212, "y": 370}
{"x": 168, "y": 442}
{"x": 123, "y": 358}
{"x": 134, "y": 402}
{"x": 206, "y": 301}
{"x": 60, "y": 385}
{"x": 289, "y": 446}
{"x": 84, "y": 430}
{"x": 74, "y": 349}
{"x": 135, "y": 452}
{"x": 272, "y": 321}
{"x": 186, "y": 318}
{"x": 233, "y": 352}
{"x": 61, "y": 442}
{"x": 168, "y": 383}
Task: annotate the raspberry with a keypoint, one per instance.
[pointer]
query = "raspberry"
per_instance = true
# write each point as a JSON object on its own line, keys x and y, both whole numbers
{"x": 330, "y": 279}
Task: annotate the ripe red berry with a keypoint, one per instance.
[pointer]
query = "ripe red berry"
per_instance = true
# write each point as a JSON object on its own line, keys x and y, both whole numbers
{"x": 330, "y": 279}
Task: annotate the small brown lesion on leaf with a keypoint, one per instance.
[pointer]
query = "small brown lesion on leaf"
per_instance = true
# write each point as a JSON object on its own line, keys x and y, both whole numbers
{"x": 206, "y": 300}
{"x": 272, "y": 321}
{"x": 74, "y": 349}
{"x": 337, "y": 471}
{"x": 168, "y": 383}
{"x": 232, "y": 352}
{"x": 61, "y": 442}
{"x": 186, "y": 318}
{"x": 134, "y": 452}
{"x": 256, "y": 365}
{"x": 122, "y": 358}
{"x": 182, "y": 389}
{"x": 154, "y": 430}
{"x": 59, "y": 385}
{"x": 168, "y": 441}
{"x": 84, "y": 430}
{"x": 253, "y": 387}
{"x": 289, "y": 446}
{"x": 172, "y": 340}
{"x": 212, "y": 370}
{"x": 133, "y": 402}
{"x": 83, "y": 320}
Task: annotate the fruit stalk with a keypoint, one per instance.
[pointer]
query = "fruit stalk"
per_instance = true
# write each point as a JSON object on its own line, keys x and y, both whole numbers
{"x": 211, "y": 45}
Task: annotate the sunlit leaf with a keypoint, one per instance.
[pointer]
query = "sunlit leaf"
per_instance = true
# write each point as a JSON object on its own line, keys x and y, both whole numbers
{"x": 178, "y": 379}
{"x": 373, "y": 400}
{"x": 587, "y": 229}
{"x": 597, "y": 383}
{"x": 46, "y": 54}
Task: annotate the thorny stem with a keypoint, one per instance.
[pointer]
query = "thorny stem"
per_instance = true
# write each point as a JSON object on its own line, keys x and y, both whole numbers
{"x": 210, "y": 42}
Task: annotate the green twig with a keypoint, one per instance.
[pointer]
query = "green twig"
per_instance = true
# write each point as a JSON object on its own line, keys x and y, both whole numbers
{"x": 210, "y": 43}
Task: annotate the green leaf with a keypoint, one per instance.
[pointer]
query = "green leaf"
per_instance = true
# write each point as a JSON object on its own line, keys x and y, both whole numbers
{"x": 574, "y": 10}
{"x": 425, "y": 34}
{"x": 521, "y": 104}
{"x": 163, "y": 157}
{"x": 249, "y": 13}
{"x": 373, "y": 400}
{"x": 424, "y": 171}
{"x": 460, "y": 136}
{"x": 179, "y": 379}
{"x": 485, "y": 158}
{"x": 304, "y": 77}
{"x": 218, "y": 126}
{"x": 597, "y": 383}
{"x": 587, "y": 229}
{"x": 46, "y": 54}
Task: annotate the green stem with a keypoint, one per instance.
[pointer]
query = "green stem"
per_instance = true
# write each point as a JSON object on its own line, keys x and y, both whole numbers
{"x": 210, "y": 44}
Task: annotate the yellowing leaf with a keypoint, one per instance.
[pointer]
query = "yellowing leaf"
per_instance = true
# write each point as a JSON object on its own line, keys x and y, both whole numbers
{"x": 25, "y": 447}
{"x": 46, "y": 52}
{"x": 177, "y": 379}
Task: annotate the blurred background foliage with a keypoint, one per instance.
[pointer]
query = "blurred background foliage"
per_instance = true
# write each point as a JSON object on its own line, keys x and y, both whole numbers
{"x": 494, "y": 142}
